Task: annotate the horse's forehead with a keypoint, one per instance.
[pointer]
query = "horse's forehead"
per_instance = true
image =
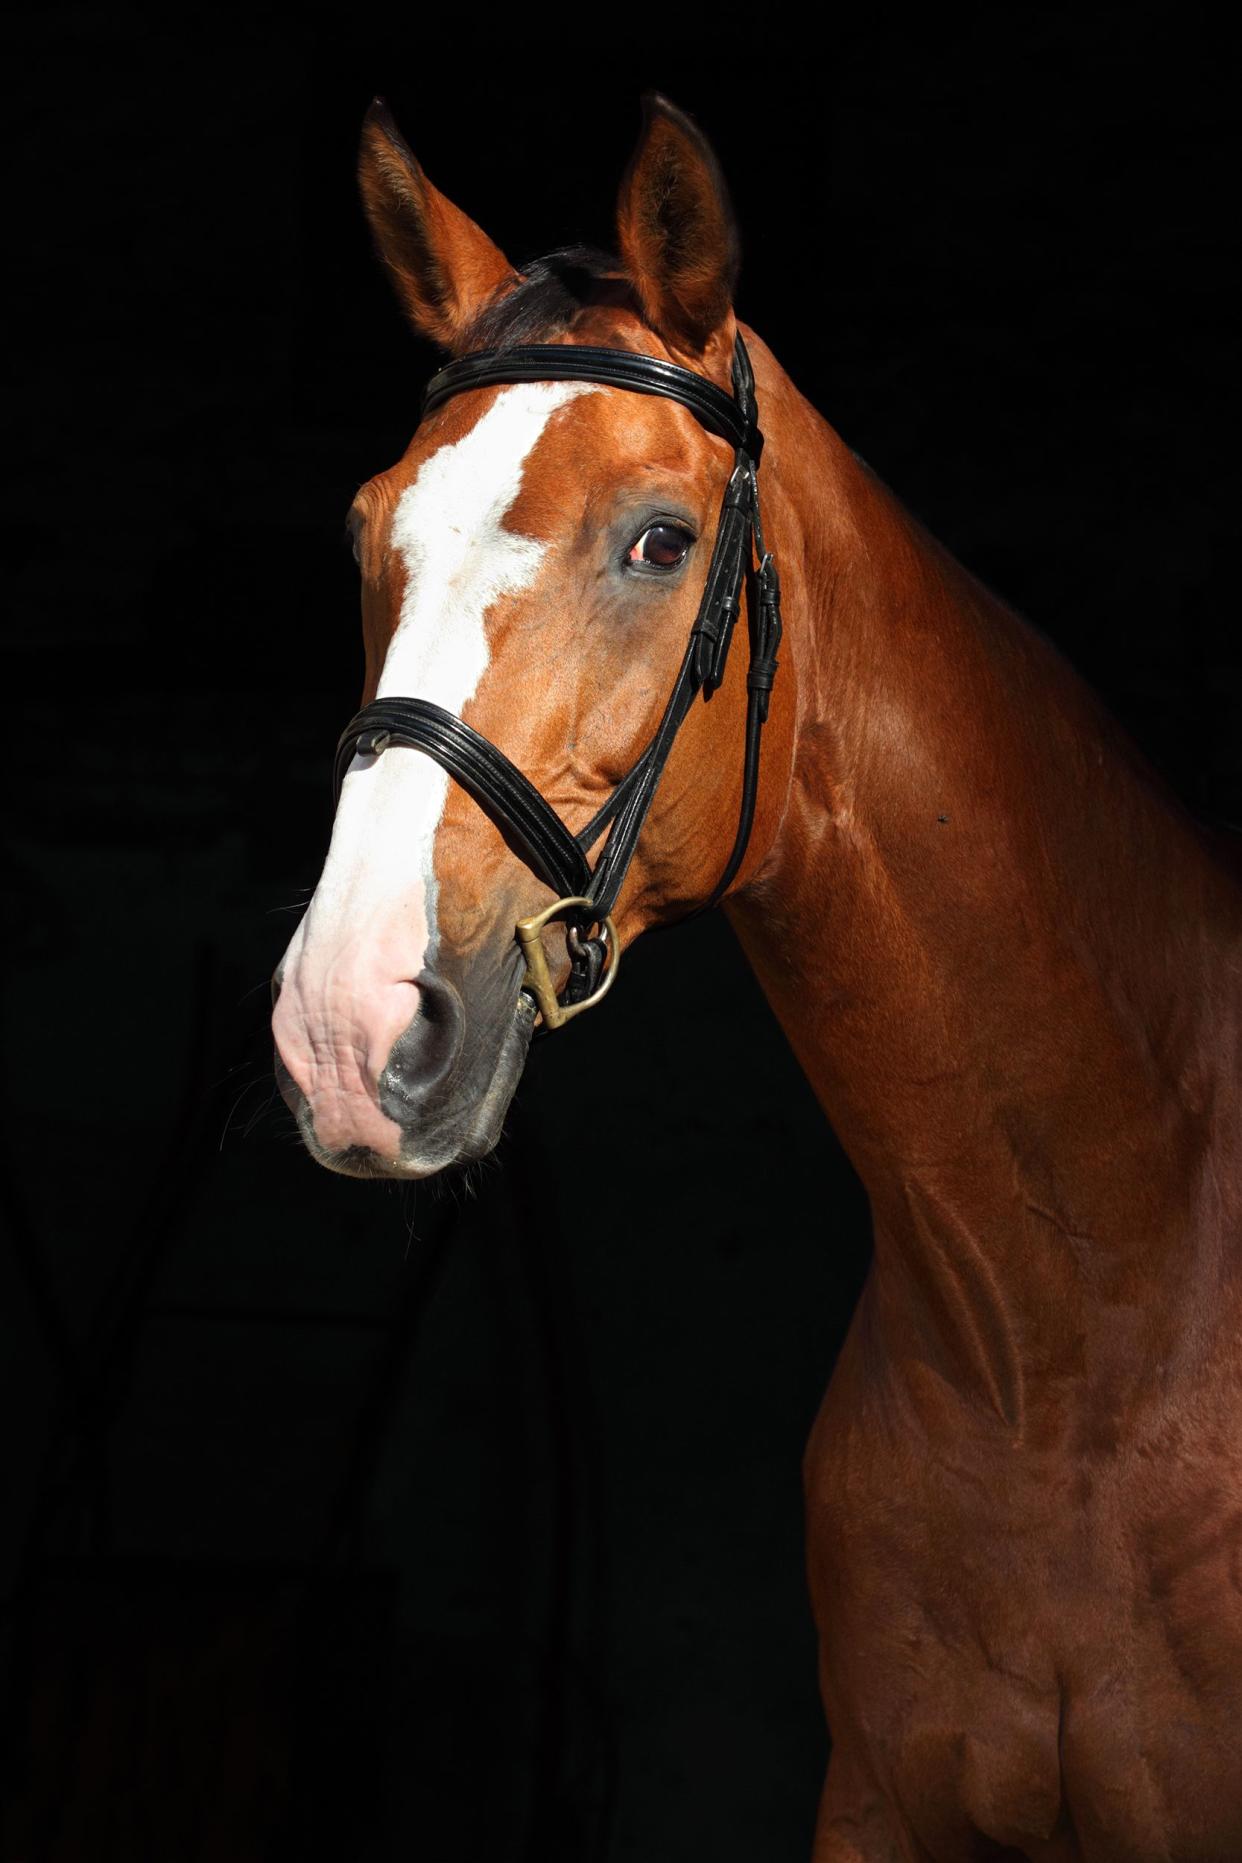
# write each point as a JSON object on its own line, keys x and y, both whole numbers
{"x": 458, "y": 553}
{"x": 456, "y": 483}
{"x": 522, "y": 452}
{"x": 462, "y": 489}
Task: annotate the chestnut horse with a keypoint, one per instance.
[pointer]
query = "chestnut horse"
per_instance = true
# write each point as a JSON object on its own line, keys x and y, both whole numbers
{"x": 1006, "y": 960}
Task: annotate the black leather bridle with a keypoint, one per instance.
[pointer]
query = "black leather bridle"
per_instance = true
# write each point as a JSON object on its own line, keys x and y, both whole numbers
{"x": 586, "y": 893}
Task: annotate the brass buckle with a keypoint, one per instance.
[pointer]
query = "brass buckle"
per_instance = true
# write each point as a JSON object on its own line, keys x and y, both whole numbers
{"x": 537, "y": 979}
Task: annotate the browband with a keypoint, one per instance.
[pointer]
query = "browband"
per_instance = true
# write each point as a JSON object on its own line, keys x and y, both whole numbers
{"x": 610, "y": 368}
{"x": 587, "y": 893}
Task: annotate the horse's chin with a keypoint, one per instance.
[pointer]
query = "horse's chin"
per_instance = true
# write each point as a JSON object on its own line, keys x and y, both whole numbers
{"x": 464, "y": 1125}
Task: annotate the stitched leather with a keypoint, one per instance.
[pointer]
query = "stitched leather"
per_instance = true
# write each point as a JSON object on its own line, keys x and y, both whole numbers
{"x": 609, "y": 368}
{"x": 499, "y": 787}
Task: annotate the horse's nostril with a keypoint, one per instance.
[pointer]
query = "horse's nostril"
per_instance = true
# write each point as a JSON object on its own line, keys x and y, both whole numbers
{"x": 425, "y": 1054}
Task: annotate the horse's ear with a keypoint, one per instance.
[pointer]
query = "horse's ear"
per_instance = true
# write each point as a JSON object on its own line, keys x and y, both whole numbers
{"x": 675, "y": 230}
{"x": 443, "y": 267}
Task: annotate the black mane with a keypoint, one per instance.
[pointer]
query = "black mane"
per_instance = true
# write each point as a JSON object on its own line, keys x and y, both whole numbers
{"x": 553, "y": 290}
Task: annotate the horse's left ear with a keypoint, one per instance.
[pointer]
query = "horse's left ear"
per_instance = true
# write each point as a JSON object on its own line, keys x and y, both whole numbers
{"x": 676, "y": 233}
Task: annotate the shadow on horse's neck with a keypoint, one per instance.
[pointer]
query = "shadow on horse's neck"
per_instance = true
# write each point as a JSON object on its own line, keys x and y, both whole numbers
{"x": 1004, "y": 957}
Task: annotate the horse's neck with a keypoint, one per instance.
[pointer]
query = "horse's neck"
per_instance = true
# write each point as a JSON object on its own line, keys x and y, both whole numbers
{"x": 1003, "y": 957}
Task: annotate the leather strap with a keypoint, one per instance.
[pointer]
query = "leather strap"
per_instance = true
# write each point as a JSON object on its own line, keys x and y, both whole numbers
{"x": 497, "y": 785}
{"x": 609, "y": 368}
{"x": 532, "y": 826}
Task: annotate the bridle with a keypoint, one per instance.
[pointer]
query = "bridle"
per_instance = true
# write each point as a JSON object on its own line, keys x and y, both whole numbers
{"x": 586, "y": 893}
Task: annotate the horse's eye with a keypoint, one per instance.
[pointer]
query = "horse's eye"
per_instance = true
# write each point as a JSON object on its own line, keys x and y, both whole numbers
{"x": 661, "y": 546}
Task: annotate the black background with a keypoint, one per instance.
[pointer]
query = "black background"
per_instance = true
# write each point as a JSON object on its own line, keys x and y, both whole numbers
{"x": 355, "y": 1522}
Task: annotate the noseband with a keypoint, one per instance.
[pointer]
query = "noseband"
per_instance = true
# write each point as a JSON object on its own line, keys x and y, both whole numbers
{"x": 586, "y": 892}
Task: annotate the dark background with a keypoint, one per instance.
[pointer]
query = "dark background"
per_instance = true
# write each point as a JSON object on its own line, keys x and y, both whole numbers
{"x": 354, "y": 1522}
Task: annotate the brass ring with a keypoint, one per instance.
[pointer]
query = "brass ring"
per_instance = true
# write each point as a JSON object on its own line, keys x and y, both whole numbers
{"x": 538, "y": 980}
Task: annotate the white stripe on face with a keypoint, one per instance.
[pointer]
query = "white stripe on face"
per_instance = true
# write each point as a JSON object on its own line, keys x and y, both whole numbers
{"x": 372, "y": 917}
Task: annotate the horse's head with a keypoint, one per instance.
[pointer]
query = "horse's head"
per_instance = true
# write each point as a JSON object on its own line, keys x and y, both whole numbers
{"x": 533, "y": 565}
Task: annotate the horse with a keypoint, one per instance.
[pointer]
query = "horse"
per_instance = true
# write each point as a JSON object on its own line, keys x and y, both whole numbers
{"x": 1004, "y": 956}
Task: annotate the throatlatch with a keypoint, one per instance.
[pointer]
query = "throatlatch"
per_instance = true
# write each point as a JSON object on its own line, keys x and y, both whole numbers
{"x": 586, "y": 894}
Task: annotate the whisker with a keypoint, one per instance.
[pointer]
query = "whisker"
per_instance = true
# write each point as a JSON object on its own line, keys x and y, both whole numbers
{"x": 264, "y": 983}
{"x": 232, "y": 1112}
{"x": 255, "y": 1117}
{"x": 409, "y": 1197}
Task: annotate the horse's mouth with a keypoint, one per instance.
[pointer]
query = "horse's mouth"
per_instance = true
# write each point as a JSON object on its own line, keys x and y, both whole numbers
{"x": 462, "y": 1124}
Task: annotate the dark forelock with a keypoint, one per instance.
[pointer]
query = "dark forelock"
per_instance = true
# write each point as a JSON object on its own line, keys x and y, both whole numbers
{"x": 552, "y": 292}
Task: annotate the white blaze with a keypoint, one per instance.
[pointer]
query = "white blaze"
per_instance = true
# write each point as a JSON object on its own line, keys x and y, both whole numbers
{"x": 378, "y": 880}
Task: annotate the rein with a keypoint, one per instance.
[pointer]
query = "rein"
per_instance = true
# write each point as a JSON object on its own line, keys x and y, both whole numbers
{"x": 586, "y": 892}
